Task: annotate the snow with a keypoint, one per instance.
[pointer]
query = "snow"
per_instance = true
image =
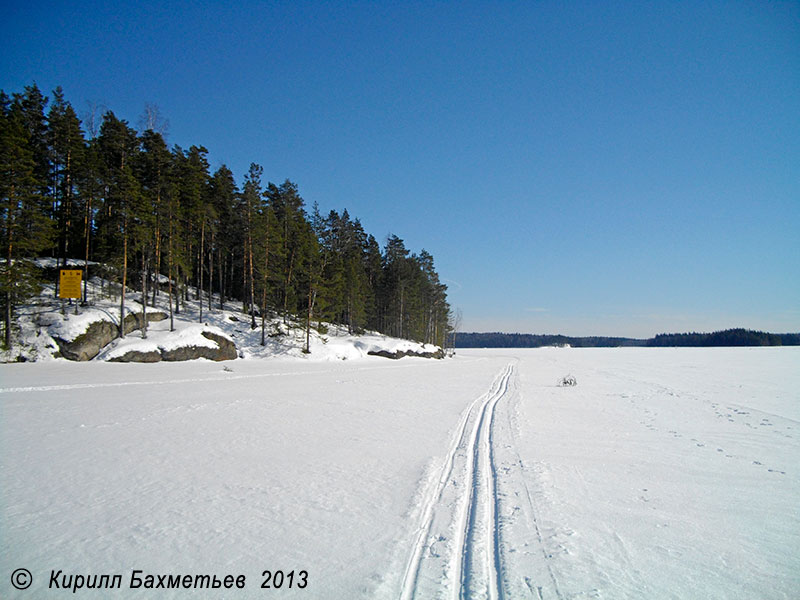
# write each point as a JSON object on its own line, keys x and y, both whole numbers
{"x": 160, "y": 337}
{"x": 47, "y": 318}
{"x": 54, "y": 263}
{"x": 69, "y": 326}
{"x": 664, "y": 473}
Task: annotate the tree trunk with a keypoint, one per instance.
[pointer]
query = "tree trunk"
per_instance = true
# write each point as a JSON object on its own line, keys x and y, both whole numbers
{"x": 68, "y": 224}
{"x": 202, "y": 250}
{"x": 157, "y": 258}
{"x": 400, "y": 319}
{"x": 9, "y": 284}
{"x": 7, "y": 318}
{"x": 211, "y": 273}
{"x": 169, "y": 271}
{"x": 124, "y": 279}
{"x": 144, "y": 296}
{"x": 286, "y": 286}
{"x": 244, "y": 282}
{"x": 88, "y": 229}
{"x": 221, "y": 281}
{"x": 264, "y": 292}
{"x": 308, "y": 320}
{"x": 252, "y": 284}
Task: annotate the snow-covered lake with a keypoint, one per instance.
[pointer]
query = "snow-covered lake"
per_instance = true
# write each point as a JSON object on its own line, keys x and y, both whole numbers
{"x": 665, "y": 473}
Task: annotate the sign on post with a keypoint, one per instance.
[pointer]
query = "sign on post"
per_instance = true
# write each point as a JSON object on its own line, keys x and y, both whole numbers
{"x": 69, "y": 285}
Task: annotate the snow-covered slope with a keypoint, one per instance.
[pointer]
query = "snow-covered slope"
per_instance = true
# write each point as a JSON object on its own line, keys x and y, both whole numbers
{"x": 46, "y": 319}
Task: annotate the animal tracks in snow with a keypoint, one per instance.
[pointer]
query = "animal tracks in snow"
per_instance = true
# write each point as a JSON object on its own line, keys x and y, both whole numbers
{"x": 731, "y": 420}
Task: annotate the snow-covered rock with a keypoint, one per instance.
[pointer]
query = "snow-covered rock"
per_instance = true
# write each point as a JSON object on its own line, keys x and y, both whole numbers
{"x": 47, "y": 330}
{"x": 191, "y": 343}
{"x": 82, "y": 337}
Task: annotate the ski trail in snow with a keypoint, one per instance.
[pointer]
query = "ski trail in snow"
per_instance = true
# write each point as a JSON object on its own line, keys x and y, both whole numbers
{"x": 456, "y": 552}
{"x": 480, "y": 560}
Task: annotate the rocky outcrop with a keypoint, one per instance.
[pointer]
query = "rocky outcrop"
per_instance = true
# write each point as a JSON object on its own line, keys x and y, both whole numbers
{"x": 151, "y": 356}
{"x": 401, "y": 353}
{"x": 133, "y": 321}
{"x": 86, "y": 346}
{"x": 225, "y": 350}
{"x": 101, "y": 333}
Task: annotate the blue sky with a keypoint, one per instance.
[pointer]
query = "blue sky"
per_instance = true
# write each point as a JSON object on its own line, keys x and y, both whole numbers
{"x": 586, "y": 168}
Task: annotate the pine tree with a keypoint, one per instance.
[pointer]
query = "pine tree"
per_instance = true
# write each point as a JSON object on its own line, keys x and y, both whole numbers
{"x": 67, "y": 148}
{"x": 356, "y": 281}
{"x": 266, "y": 236}
{"x": 373, "y": 269}
{"x": 251, "y": 206}
{"x": 394, "y": 286}
{"x": 197, "y": 213}
{"x": 310, "y": 267}
{"x": 153, "y": 169}
{"x": 290, "y": 215}
{"x": 26, "y": 230}
{"x": 30, "y": 107}
{"x": 224, "y": 196}
{"x": 118, "y": 146}
{"x": 329, "y": 288}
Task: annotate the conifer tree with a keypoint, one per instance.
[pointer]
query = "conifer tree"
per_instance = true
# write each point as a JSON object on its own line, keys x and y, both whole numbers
{"x": 90, "y": 186}
{"x": 224, "y": 194}
{"x": 118, "y": 145}
{"x": 266, "y": 238}
{"x": 30, "y": 107}
{"x": 26, "y": 230}
{"x": 290, "y": 215}
{"x": 66, "y": 147}
{"x": 197, "y": 213}
{"x": 153, "y": 169}
{"x": 251, "y": 205}
{"x": 373, "y": 270}
{"x": 394, "y": 285}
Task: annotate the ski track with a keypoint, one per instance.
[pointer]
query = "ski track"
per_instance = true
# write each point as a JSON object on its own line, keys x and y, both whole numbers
{"x": 456, "y": 552}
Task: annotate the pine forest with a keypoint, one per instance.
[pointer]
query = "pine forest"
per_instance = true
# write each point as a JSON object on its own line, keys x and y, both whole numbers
{"x": 156, "y": 220}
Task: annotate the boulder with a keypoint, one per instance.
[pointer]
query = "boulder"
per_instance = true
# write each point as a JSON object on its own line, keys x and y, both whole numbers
{"x": 225, "y": 350}
{"x": 86, "y": 346}
{"x": 387, "y": 354}
{"x": 101, "y": 333}
{"x": 137, "y": 356}
{"x": 401, "y": 353}
{"x": 133, "y": 321}
{"x": 437, "y": 355}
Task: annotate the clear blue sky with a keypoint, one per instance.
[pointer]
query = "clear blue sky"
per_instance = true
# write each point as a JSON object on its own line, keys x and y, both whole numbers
{"x": 587, "y": 168}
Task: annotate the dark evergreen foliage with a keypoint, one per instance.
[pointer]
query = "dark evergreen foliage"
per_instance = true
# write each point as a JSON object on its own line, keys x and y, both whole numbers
{"x": 789, "y": 339}
{"x": 730, "y": 337}
{"x": 527, "y": 340}
{"x": 163, "y": 223}
{"x": 27, "y": 219}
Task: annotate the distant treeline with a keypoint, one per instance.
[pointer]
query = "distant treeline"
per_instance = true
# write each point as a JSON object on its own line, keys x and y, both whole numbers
{"x": 527, "y": 340}
{"x": 729, "y": 337}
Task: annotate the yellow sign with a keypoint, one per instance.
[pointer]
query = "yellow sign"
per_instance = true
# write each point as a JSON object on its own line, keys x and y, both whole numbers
{"x": 69, "y": 285}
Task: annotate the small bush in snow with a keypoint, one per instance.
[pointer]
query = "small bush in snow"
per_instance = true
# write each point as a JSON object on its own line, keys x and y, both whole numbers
{"x": 568, "y": 381}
